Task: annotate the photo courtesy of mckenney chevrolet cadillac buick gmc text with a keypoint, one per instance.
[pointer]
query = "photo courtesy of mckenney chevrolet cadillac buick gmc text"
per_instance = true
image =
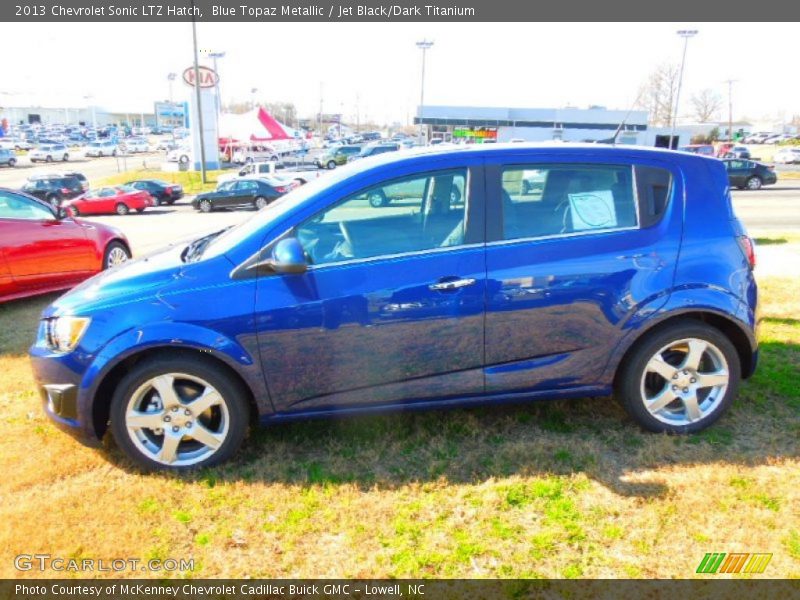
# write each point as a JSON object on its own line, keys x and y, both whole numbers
{"x": 622, "y": 271}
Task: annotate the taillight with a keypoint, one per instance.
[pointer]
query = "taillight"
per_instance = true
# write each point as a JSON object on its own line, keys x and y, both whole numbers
{"x": 748, "y": 249}
{"x": 66, "y": 191}
{"x": 280, "y": 190}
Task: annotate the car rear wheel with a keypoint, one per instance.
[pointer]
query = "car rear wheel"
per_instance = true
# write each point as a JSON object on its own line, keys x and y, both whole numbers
{"x": 205, "y": 206}
{"x": 377, "y": 199}
{"x": 116, "y": 253}
{"x": 140, "y": 210}
{"x": 680, "y": 379}
{"x": 122, "y": 209}
{"x": 65, "y": 158}
{"x": 178, "y": 413}
{"x": 754, "y": 183}
{"x": 99, "y": 154}
{"x": 331, "y": 164}
{"x": 260, "y": 202}
{"x": 12, "y": 162}
{"x": 48, "y": 159}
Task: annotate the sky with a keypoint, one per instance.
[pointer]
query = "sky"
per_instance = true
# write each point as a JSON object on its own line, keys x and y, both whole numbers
{"x": 373, "y": 69}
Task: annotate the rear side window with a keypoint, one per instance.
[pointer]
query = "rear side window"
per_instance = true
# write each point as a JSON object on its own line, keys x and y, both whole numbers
{"x": 556, "y": 199}
{"x": 653, "y": 187}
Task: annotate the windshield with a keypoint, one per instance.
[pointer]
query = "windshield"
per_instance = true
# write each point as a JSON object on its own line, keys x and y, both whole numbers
{"x": 274, "y": 211}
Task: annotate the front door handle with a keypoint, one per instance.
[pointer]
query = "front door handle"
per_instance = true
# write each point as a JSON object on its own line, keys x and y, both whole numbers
{"x": 451, "y": 284}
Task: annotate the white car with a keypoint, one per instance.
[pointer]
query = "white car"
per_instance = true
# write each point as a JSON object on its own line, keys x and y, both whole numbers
{"x": 179, "y": 155}
{"x": 254, "y": 153}
{"x": 253, "y": 169}
{"x": 135, "y": 145}
{"x": 49, "y": 153}
{"x": 107, "y": 148}
{"x": 787, "y": 156}
{"x": 14, "y": 144}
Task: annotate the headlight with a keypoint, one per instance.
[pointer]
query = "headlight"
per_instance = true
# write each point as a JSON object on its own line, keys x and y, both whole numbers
{"x": 63, "y": 333}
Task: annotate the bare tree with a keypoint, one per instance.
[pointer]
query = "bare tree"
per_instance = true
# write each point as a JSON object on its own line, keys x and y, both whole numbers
{"x": 706, "y": 105}
{"x": 657, "y": 94}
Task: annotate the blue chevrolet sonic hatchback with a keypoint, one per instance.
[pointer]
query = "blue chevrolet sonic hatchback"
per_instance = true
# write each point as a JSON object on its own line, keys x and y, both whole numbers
{"x": 431, "y": 279}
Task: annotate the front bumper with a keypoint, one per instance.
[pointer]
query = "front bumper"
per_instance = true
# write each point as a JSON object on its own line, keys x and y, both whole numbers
{"x": 64, "y": 400}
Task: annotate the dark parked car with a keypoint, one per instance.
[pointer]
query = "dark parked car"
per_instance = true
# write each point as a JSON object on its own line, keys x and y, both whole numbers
{"x": 629, "y": 274}
{"x": 748, "y": 174}
{"x": 161, "y": 191}
{"x": 42, "y": 251}
{"x": 241, "y": 193}
{"x": 54, "y": 189}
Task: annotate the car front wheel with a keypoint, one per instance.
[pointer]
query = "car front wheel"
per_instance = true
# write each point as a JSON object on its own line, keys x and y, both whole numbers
{"x": 331, "y": 164}
{"x": 679, "y": 379}
{"x": 260, "y": 202}
{"x": 178, "y": 413}
{"x": 122, "y": 209}
{"x": 205, "y": 206}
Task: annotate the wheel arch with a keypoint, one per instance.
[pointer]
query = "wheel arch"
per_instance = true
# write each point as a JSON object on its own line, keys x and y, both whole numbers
{"x": 101, "y": 399}
{"x": 728, "y": 326}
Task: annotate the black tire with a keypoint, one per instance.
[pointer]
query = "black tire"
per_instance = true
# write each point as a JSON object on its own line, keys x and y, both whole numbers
{"x": 331, "y": 164}
{"x": 377, "y": 199}
{"x": 12, "y": 162}
{"x": 754, "y": 183}
{"x": 183, "y": 159}
{"x": 260, "y": 202}
{"x": 122, "y": 209}
{"x": 99, "y": 154}
{"x": 232, "y": 392}
{"x": 631, "y": 373}
{"x": 110, "y": 250}
{"x": 113, "y": 153}
{"x": 171, "y": 201}
{"x": 48, "y": 159}
{"x": 65, "y": 158}
{"x": 140, "y": 210}
{"x": 205, "y": 206}
{"x": 73, "y": 210}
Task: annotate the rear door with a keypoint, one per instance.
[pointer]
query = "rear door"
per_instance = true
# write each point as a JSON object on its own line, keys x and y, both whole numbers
{"x": 569, "y": 262}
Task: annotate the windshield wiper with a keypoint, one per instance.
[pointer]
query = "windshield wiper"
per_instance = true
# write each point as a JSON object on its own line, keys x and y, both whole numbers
{"x": 195, "y": 250}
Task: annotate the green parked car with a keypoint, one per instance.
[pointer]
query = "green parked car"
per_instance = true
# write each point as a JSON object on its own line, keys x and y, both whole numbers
{"x": 337, "y": 156}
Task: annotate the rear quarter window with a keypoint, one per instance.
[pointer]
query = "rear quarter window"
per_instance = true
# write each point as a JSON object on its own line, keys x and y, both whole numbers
{"x": 653, "y": 189}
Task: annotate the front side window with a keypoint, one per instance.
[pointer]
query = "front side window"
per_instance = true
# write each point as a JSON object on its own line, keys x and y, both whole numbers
{"x": 17, "y": 207}
{"x": 552, "y": 199}
{"x": 403, "y": 215}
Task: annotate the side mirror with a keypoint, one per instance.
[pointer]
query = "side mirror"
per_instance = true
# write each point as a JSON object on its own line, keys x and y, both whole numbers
{"x": 288, "y": 256}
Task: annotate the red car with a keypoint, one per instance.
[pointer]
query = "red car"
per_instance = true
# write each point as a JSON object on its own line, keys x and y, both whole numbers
{"x": 43, "y": 252}
{"x": 120, "y": 199}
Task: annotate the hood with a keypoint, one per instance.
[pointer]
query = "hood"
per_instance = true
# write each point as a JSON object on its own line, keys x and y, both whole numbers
{"x": 134, "y": 281}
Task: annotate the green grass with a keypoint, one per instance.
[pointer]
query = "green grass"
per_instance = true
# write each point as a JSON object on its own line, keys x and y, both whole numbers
{"x": 561, "y": 489}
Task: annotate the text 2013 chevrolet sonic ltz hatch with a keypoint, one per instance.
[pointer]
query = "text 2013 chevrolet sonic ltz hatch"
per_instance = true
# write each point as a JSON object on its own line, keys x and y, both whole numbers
{"x": 431, "y": 279}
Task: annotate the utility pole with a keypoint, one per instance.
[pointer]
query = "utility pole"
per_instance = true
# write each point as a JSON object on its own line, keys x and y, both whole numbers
{"x": 685, "y": 34}
{"x": 730, "y": 83}
{"x": 217, "y": 93}
{"x": 319, "y": 114}
{"x": 424, "y": 45}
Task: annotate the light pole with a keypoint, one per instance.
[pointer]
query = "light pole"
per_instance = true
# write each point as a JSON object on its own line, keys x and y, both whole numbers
{"x": 253, "y": 92}
{"x": 730, "y": 83}
{"x": 424, "y": 45}
{"x": 214, "y": 56}
{"x": 685, "y": 34}
{"x": 198, "y": 100}
{"x": 171, "y": 77}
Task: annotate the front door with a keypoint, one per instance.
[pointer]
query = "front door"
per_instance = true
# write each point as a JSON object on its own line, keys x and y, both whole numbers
{"x": 391, "y": 308}
{"x": 572, "y": 259}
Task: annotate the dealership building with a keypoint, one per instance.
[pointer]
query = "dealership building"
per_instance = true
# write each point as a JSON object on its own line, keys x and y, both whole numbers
{"x": 480, "y": 124}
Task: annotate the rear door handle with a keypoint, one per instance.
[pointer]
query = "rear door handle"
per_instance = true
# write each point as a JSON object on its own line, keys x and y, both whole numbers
{"x": 452, "y": 284}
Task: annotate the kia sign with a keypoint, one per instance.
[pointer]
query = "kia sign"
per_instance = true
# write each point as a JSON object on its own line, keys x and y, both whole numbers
{"x": 208, "y": 77}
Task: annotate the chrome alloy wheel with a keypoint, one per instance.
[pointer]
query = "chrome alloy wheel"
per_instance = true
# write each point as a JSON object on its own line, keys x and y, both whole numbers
{"x": 685, "y": 381}
{"x": 177, "y": 419}
{"x": 116, "y": 257}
